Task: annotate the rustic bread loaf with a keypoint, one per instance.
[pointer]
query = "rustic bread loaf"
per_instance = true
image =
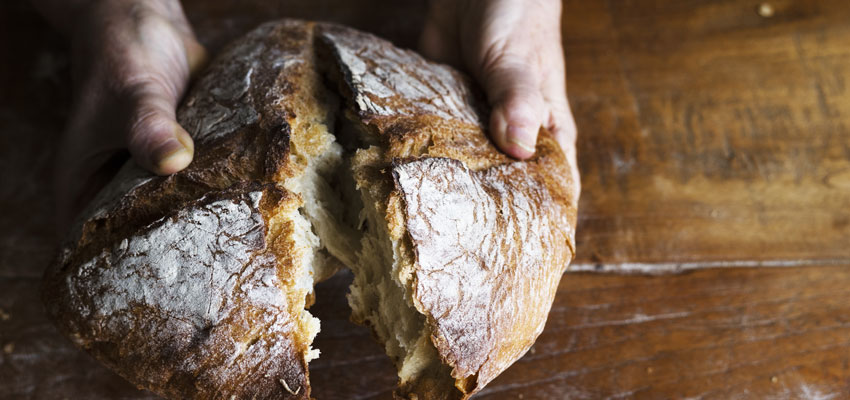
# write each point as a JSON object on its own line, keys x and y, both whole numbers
{"x": 317, "y": 145}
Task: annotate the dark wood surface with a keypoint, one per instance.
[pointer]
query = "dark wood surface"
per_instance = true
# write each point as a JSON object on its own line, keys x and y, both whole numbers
{"x": 711, "y": 133}
{"x": 709, "y": 136}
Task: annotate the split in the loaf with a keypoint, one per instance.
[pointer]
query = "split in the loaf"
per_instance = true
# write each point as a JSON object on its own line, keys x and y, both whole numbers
{"x": 344, "y": 188}
{"x": 365, "y": 156}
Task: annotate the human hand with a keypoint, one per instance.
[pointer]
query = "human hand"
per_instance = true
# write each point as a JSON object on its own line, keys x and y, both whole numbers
{"x": 513, "y": 49}
{"x": 131, "y": 61}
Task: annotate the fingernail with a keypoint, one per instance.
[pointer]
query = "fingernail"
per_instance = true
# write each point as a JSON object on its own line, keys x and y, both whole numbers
{"x": 174, "y": 154}
{"x": 184, "y": 139}
{"x": 521, "y": 137}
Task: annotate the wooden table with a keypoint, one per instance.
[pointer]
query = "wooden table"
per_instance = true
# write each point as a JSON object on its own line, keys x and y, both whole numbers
{"x": 710, "y": 137}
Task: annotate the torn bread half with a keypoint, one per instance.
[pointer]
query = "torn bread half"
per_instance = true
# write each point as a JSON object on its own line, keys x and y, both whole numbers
{"x": 465, "y": 247}
{"x": 319, "y": 146}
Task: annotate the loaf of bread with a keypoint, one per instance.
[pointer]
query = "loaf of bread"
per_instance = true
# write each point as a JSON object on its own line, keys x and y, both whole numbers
{"x": 318, "y": 146}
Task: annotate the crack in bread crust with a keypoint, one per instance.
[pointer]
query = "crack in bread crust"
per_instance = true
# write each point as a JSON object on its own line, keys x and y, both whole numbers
{"x": 486, "y": 297}
{"x": 478, "y": 241}
{"x": 195, "y": 285}
{"x": 226, "y": 329}
{"x": 181, "y": 301}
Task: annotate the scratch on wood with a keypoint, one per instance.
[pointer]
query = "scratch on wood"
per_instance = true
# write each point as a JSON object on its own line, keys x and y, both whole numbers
{"x": 636, "y": 319}
{"x": 812, "y": 393}
{"x": 668, "y": 268}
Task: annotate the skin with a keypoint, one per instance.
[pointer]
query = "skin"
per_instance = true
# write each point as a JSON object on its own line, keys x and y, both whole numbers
{"x": 513, "y": 49}
{"x": 132, "y": 60}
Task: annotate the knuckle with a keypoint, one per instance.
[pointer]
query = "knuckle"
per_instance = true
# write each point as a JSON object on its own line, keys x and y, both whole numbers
{"x": 511, "y": 68}
{"x": 146, "y": 124}
{"x": 128, "y": 80}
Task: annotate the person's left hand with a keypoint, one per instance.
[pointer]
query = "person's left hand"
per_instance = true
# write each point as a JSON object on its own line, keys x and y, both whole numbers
{"x": 513, "y": 49}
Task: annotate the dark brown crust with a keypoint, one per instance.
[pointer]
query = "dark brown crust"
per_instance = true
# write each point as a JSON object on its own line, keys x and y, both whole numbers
{"x": 241, "y": 133}
{"x": 412, "y": 106}
{"x": 239, "y": 114}
{"x": 199, "y": 325}
{"x": 491, "y": 237}
{"x": 491, "y": 246}
{"x": 488, "y": 237}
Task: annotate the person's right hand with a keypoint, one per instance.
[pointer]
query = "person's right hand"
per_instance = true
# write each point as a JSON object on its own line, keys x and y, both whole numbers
{"x": 131, "y": 61}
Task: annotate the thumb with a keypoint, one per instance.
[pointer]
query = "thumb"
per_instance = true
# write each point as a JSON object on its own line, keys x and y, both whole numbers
{"x": 156, "y": 141}
{"x": 518, "y": 106}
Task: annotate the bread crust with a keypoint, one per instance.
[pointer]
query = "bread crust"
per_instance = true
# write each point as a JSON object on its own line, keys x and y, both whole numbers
{"x": 182, "y": 318}
{"x": 250, "y": 338}
{"x": 188, "y": 285}
{"x": 490, "y": 237}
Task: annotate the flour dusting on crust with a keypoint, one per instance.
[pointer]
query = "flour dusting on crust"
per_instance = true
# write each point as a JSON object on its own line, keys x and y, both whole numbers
{"x": 388, "y": 81}
{"x": 195, "y": 285}
{"x": 222, "y": 102}
{"x": 199, "y": 254}
{"x": 472, "y": 279}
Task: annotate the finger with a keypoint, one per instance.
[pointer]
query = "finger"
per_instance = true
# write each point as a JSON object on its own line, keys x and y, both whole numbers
{"x": 562, "y": 125}
{"x": 560, "y": 121}
{"x": 513, "y": 90}
{"x": 168, "y": 17}
{"x": 156, "y": 141}
{"x": 131, "y": 65}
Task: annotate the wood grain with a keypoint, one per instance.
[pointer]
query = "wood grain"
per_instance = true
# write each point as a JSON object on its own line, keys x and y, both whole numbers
{"x": 710, "y": 133}
{"x": 709, "y": 136}
{"x": 714, "y": 334}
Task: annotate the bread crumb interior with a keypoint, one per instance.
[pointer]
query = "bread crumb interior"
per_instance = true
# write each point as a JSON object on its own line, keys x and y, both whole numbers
{"x": 343, "y": 219}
